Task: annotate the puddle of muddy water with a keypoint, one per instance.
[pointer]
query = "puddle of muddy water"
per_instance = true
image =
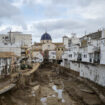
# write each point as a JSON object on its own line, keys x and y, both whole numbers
{"x": 44, "y": 100}
{"x": 59, "y": 92}
{"x": 33, "y": 93}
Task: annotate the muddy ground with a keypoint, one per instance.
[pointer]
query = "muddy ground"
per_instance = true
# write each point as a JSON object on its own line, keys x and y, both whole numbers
{"x": 49, "y": 87}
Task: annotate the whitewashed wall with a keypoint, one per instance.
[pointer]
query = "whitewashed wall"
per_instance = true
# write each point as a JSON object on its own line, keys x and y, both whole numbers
{"x": 95, "y": 73}
{"x": 75, "y": 40}
{"x": 23, "y": 39}
{"x": 85, "y": 59}
{"x": 65, "y": 55}
{"x": 102, "y": 60}
{"x": 75, "y": 66}
{"x": 65, "y": 41}
{"x": 74, "y": 50}
{"x": 18, "y": 38}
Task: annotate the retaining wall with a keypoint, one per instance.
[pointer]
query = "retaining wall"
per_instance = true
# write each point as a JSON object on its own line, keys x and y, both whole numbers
{"x": 94, "y": 72}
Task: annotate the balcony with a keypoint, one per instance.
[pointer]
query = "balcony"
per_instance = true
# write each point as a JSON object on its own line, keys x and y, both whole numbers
{"x": 65, "y": 55}
{"x": 92, "y": 49}
{"x": 96, "y": 49}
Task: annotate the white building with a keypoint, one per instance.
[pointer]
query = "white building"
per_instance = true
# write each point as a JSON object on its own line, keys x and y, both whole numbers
{"x": 13, "y": 41}
{"x": 37, "y": 56}
{"x": 52, "y": 55}
{"x": 102, "y": 49}
{"x": 74, "y": 52}
{"x": 7, "y": 62}
{"x": 90, "y": 47}
{"x": 86, "y": 57}
{"x": 70, "y": 41}
{"x": 48, "y": 48}
{"x": 65, "y": 62}
{"x": 72, "y": 49}
{"x": 66, "y": 41}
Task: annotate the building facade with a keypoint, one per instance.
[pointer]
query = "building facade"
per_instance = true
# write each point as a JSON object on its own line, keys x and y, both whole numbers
{"x": 7, "y": 63}
{"x": 87, "y": 57}
{"x": 89, "y": 48}
{"x": 48, "y": 49}
{"x": 14, "y": 41}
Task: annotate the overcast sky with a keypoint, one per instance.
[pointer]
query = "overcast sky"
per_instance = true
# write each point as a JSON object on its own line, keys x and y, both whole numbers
{"x": 58, "y": 17}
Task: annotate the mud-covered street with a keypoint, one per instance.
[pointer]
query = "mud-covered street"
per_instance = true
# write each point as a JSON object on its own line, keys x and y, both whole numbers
{"x": 49, "y": 87}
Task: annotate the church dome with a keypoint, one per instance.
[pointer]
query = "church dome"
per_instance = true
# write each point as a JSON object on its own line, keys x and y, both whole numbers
{"x": 46, "y": 36}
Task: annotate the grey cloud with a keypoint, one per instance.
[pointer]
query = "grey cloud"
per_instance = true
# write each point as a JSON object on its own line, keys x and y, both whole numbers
{"x": 60, "y": 8}
{"x": 7, "y": 10}
{"x": 10, "y": 14}
{"x": 76, "y": 2}
{"x": 57, "y": 28}
{"x": 77, "y": 16}
{"x": 61, "y": 27}
{"x": 59, "y": 24}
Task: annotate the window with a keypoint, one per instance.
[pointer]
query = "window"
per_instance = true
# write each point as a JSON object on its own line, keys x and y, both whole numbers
{"x": 69, "y": 43}
{"x": 6, "y": 37}
{"x": 58, "y": 49}
{"x": 5, "y": 43}
{"x": 74, "y": 54}
{"x": 85, "y": 56}
{"x": 48, "y": 46}
{"x": 53, "y": 53}
{"x": 70, "y": 55}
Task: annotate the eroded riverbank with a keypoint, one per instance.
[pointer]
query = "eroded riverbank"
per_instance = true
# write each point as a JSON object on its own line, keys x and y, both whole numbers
{"x": 49, "y": 87}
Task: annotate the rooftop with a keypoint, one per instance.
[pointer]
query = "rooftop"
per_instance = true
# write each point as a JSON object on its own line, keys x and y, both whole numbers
{"x": 95, "y": 35}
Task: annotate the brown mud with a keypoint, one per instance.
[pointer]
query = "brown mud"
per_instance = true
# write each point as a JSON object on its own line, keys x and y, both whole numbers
{"x": 50, "y": 87}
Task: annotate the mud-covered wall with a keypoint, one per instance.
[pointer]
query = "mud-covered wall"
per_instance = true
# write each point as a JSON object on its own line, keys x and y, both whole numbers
{"x": 94, "y": 72}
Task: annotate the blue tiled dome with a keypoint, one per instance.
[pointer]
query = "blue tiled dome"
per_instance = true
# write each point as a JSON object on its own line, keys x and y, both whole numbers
{"x": 46, "y": 36}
